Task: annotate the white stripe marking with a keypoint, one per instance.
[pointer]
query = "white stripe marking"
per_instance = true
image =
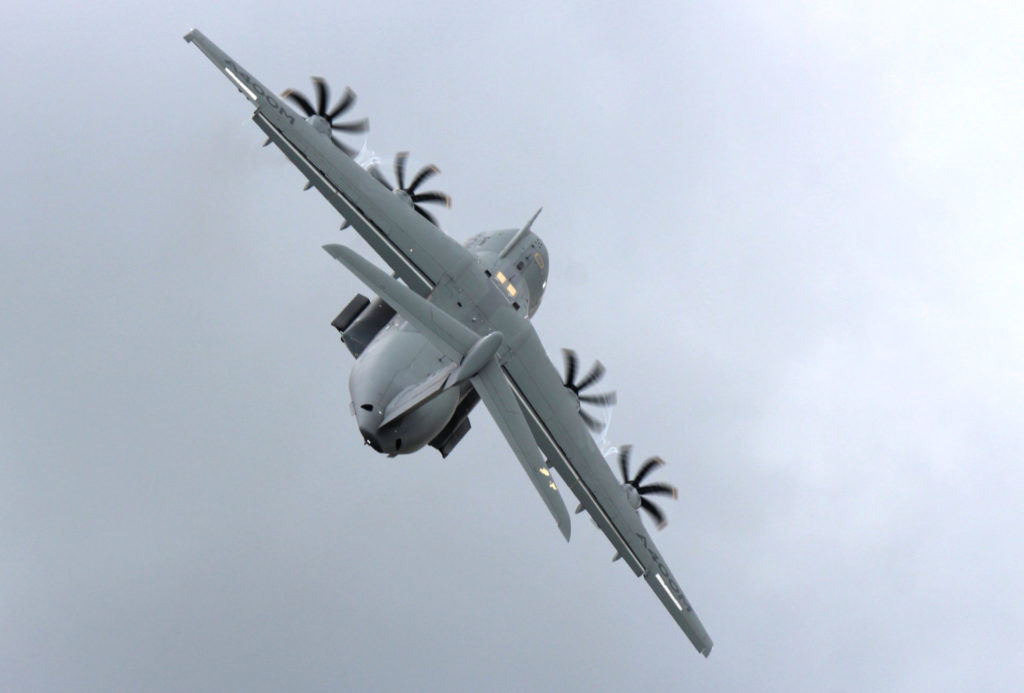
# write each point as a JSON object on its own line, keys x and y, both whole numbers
{"x": 669, "y": 592}
{"x": 246, "y": 90}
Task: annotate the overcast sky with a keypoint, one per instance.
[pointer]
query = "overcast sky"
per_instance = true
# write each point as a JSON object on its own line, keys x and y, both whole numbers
{"x": 792, "y": 232}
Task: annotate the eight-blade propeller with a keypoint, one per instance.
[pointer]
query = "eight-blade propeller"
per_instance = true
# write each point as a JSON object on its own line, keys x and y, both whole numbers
{"x": 409, "y": 192}
{"x": 605, "y": 399}
{"x": 328, "y": 116}
{"x": 636, "y": 492}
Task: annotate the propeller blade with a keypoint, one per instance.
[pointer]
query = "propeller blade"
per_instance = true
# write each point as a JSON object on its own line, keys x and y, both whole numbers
{"x": 321, "y": 96}
{"x": 346, "y": 101}
{"x": 571, "y": 363}
{"x": 646, "y": 469}
{"x": 433, "y": 197}
{"x": 426, "y": 215}
{"x": 299, "y": 100}
{"x": 356, "y": 126}
{"x": 400, "y": 169}
{"x": 379, "y": 175}
{"x": 624, "y": 453}
{"x": 425, "y": 173}
{"x": 605, "y": 400}
{"x": 655, "y": 512}
{"x": 658, "y": 490}
{"x": 343, "y": 147}
{"x": 592, "y": 377}
{"x": 592, "y": 423}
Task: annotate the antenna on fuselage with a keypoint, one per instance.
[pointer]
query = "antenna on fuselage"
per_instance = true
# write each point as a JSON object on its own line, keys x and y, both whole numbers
{"x": 519, "y": 235}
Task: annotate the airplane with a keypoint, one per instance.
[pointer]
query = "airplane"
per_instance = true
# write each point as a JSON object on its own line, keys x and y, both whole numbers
{"x": 450, "y": 327}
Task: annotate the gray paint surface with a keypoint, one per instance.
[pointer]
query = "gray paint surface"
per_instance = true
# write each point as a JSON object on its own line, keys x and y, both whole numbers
{"x": 827, "y": 195}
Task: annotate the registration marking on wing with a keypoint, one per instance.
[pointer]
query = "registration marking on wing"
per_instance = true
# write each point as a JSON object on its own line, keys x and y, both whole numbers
{"x": 245, "y": 90}
{"x": 668, "y": 592}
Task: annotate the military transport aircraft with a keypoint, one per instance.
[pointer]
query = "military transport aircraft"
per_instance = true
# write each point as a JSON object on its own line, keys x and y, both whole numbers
{"x": 450, "y": 327}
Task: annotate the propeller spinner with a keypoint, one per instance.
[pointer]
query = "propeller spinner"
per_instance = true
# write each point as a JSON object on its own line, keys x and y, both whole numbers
{"x": 327, "y": 124}
{"x": 635, "y": 492}
{"x": 409, "y": 192}
{"x": 596, "y": 372}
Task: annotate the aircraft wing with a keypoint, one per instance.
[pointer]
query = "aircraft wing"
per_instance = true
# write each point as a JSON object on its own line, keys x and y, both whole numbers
{"x": 553, "y": 417}
{"x": 414, "y": 248}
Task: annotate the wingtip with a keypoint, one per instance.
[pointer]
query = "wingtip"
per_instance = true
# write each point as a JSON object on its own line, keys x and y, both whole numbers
{"x": 334, "y": 250}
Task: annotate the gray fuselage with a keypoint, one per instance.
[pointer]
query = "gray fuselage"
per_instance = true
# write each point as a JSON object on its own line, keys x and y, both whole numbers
{"x": 400, "y": 363}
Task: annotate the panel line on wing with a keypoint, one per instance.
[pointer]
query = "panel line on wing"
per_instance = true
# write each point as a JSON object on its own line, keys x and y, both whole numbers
{"x": 568, "y": 464}
{"x": 348, "y": 203}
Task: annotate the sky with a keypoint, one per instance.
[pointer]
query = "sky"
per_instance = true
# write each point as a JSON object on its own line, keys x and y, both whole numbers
{"x": 791, "y": 231}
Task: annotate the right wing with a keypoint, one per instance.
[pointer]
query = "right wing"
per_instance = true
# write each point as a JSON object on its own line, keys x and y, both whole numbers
{"x": 552, "y": 413}
{"x": 414, "y": 248}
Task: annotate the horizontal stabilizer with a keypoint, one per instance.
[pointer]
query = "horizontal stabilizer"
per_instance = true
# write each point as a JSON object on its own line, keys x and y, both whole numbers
{"x": 496, "y": 393}
{"x": 446, "y": 333}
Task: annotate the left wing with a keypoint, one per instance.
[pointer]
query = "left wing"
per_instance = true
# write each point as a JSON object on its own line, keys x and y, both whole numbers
{"x": 414, "y": 248}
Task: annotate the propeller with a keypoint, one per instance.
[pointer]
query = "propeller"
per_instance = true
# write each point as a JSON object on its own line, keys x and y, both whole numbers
{"x": 328, "y": 126}
{"x": 636, "y": 492}
{"x": 409, "y": 191}
{"x": 596, "y": 372}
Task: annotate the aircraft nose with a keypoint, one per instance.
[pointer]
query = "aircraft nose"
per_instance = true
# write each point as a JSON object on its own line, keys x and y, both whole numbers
{"x": 368, "y": 417}
{"x": 371, "y": 440}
